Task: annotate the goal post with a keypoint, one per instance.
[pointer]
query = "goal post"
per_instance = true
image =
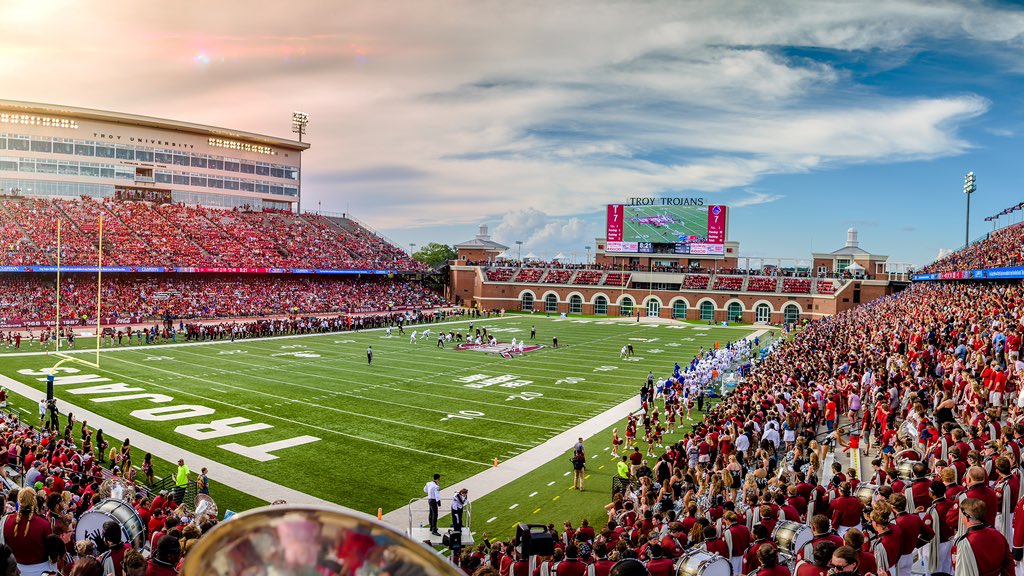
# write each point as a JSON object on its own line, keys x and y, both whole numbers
{"x": 65, "y": 356}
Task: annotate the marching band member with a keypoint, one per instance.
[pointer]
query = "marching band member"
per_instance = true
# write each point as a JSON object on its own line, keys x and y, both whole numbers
{"x": 981, "y": 550}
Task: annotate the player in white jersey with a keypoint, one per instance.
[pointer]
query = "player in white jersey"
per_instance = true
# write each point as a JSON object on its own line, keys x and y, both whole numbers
{"x": 622, "y": 353}
{"x": 387, "y": 332}
{"x": 412, "y": 337}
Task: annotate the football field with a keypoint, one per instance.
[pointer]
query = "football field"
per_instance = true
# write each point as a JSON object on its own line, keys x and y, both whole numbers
{"x": 310, "y": 413}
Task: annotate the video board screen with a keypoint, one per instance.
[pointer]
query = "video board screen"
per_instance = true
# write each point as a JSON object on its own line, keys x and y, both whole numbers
{"x": 698, "y": 230}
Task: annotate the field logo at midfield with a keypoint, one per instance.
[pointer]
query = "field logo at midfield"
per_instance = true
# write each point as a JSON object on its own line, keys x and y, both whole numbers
{"x": 504, "y": 348}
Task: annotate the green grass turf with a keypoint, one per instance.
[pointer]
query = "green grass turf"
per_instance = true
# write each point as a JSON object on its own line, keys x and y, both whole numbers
{"x": 546, "y": 496}
{"x": 383, "y": 429}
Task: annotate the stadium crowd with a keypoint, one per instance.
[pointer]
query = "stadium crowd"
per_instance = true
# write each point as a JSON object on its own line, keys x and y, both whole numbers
{"x": 144, "y": 234}
{"x": 925, "y": 383}
{"x": 1002, "y": 248}
{"x": 31, "y": 298}
{"x": 61, "y": 469}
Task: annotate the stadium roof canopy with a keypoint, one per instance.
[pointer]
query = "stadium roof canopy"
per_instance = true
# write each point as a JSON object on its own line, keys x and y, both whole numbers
{"x": 482, "y": 242}
{"x": 32, "y": 108}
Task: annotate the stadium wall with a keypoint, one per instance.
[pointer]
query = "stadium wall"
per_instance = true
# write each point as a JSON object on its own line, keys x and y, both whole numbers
{"x": 470, "y": 288}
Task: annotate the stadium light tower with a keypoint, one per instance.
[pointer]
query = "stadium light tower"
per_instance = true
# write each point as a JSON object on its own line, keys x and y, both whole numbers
{"x": 299, "y": 122}
{"x": 412, "y": 248}
{"x": 519, "y": 246}
{"x": 587, "y": 248}
{"x": 969, "y": 189}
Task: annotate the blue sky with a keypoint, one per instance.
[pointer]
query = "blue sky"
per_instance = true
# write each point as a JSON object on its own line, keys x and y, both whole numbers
{"x": 429, "y": 118}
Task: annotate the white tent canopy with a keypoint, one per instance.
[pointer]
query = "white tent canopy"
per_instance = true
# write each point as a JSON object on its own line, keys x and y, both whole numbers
{"x": 855, "y": 267}
{"x": 530, "y": 256}
{"x": 559, "y": 256}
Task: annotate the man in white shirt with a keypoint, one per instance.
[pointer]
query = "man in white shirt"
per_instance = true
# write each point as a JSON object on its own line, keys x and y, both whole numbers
{"x": 433, "y": 492}
{"x": 742, "y": 445}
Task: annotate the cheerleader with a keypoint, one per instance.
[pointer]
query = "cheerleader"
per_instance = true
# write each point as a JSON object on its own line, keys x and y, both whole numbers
{"x": 616, "y": 442}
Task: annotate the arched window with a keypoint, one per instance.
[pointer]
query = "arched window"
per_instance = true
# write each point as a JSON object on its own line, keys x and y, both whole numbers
{"x": 600, "y": 305}
{"x": 679, "y": 310}
{"x": 791, "y": 314}
{"x": 626, "y": 308}
{"x": 707, "y": 310}
{"x": 527, "y": 302}
{"x": 763, "y": 313}
{"x": 735, "y": 312}
{"x": 551, "y": 303}
{"x": 575, "y": 304}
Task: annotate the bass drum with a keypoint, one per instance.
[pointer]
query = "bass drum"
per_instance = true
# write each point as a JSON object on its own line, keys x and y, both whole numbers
{"x": 866, "y": 492}
{"x": 791, "y": 537}
{"x": 90, "y": 525}
{"x": 703, "y": 563}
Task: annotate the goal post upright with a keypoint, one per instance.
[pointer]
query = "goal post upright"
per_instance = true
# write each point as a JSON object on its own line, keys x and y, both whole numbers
{"x": 63, "y": 356}
{"x": 99, "y": 290}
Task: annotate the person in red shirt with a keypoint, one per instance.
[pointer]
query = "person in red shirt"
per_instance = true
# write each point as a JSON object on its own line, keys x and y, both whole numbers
{"x": 830, "y": 415}
{"x": 847, "y": 510}
{"x": 769, "y": 558}
{"x": 911, "y": 529}
{"x": 981, "y": 550}
{"x": 939, "y": 559}
{"x": 712, "y": 543}
{"x": 165, "y": 557}
{"x": 26, "y": 533}
{"x": 820, "y": 566}
{"x": 738, "y": 539}
{"x": 571, "y": 566}
{"x": 865, "y": 560}
{"x": 659, "y": 564}
{"x": 750, "y": 560}
{"x": 887, "y": 545}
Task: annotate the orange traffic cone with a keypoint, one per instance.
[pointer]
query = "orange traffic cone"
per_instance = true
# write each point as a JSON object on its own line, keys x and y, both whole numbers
{"x": 380, "y": 513}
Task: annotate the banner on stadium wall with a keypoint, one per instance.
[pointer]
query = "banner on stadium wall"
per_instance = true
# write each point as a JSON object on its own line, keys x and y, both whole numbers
{"x": 1013, "y": 273}
{"x": 187, "y": 270}
{"x": 9, "y": 323}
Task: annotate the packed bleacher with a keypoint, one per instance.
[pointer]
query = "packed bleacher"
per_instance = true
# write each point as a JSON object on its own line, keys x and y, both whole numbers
{"x": 527, "y": 275}
{"x": 144, "y": 234}
{"x": 1002, "y": 248}
{"x": 616, "y": 279}
{"x": 729, "y": 283}
{"x": 796, "y": 285}
{"x": 588, "y": 277}
{"x": 696, "y": 282}
{"x": 558, "y": 276}
{"x": 762, "y": 284}
{"x": 533, "y": 272}
{"x": 30, "y": 298}
{"x": 925, "y": 388}
{"x": 500, "y": 274}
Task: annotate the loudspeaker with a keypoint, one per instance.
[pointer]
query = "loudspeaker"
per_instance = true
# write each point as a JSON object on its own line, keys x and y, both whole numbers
{"x": 534, "y": 540}
{"x": 453, "y": 540}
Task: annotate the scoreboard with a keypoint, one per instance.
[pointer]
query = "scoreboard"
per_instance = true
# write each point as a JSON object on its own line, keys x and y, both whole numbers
{"x": 667, "y": 229}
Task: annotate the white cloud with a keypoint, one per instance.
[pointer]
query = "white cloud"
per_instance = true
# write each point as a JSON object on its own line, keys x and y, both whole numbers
{"x": 943, "y": 252}
{"x": 539, "y": 231}
{"x": 482, "y": 108}
{"x": 755, "y": 198}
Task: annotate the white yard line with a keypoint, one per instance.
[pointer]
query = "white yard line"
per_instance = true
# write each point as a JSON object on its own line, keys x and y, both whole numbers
{"x": 289, "y": 370}
{"x": 510, "y": 470}
{"x": 231, "y": 477}
{"x": 289, "y": 420}
{"x": 327, "y": 408}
